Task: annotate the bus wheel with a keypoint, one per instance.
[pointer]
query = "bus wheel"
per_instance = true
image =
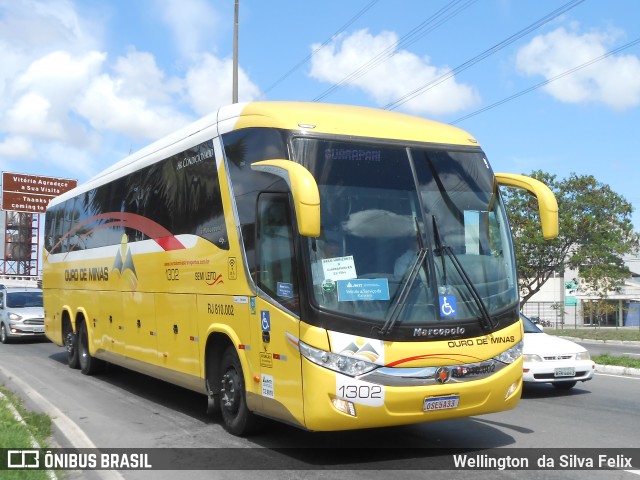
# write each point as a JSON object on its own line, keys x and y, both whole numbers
{"x": 70, "y": 341}
{"x": 88, "y": 365}
{"x": 236, "y": 417}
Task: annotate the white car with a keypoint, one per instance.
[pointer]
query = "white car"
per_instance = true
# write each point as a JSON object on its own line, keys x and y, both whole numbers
{"x": 550, "y": 359}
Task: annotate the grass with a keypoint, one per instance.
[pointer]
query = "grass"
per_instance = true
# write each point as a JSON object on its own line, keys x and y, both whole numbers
{"x": 16, "y": 435}
{"x": 622, "y": 361}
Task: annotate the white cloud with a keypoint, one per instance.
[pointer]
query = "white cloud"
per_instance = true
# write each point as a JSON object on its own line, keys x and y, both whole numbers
{"x": 400, "y": 74}
{"x": 107, "y": 107}
{"x": 209, "y": 84}
{"x": 17, "y": 147}
{"x": 140, "y": 76}
{"x": 193, "y": 23}
{"x": 613, "y": 81}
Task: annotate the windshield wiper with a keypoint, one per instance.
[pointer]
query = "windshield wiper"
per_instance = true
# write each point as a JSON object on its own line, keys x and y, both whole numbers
{"x": 407, "y": 286}
{"x": 486, "y": 321}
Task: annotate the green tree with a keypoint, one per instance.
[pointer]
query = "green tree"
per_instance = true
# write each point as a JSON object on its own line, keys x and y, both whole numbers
{"x": 596, "y": 232}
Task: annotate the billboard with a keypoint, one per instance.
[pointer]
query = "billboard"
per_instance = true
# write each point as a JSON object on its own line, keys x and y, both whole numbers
{"x": 31, "y": 193}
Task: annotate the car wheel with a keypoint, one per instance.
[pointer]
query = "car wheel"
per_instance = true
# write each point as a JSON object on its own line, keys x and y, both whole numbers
{"x": 236, "y": 417}
{"x": 88, "y": 365}
{"x": 4, "y": 336}
{"x": 564, "y": 385}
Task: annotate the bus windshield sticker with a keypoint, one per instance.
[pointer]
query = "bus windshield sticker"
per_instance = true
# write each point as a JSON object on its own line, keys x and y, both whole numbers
{"x": 448, "y": 306}
{"x": 339, "y": 268}
{"x": 358, "y": 290}
{"x": 285, "y": 290}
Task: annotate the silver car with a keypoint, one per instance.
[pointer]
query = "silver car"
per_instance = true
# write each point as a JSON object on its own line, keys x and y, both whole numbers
{"x": 21, "y": 313}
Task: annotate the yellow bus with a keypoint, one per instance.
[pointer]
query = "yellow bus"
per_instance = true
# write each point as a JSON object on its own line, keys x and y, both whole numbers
{"x": 331, "y": 267}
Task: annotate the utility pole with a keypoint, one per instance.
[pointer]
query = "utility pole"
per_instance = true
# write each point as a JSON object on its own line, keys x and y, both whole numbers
{"x": 235, "y": 54}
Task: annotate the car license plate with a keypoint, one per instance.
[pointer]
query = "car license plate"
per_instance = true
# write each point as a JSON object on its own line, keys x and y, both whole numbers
{"x": 38, "y": 330}
{"x": 565, "y": 372}
{"x": 440, "y": 403}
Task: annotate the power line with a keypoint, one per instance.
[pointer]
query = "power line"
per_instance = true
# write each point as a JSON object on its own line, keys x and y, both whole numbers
{"x": 499, "y": 46}
{"x": 413, "y": 36}
{"x": 546, "y": 82}
{"x": 324, "y": 44}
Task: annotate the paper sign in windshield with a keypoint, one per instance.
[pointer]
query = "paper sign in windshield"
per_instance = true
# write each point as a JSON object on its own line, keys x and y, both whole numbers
{"x": 363, "y": 290}
{"x": 339, "y": 268}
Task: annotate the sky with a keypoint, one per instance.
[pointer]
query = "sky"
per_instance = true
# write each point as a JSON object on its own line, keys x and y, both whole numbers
{"x": 548, "y": 85}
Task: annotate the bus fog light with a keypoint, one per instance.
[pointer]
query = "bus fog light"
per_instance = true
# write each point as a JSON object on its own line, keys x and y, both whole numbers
{"x": 344, "y": 406}
{"x": 511, "y": 390}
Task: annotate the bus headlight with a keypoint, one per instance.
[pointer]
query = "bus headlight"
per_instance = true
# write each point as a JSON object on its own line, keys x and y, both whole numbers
{"x": 351, "y": 366}
{"x": 511, "y": 355}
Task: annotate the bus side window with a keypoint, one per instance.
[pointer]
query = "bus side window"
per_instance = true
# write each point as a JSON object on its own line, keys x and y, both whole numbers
{"x": 276, "y": 273}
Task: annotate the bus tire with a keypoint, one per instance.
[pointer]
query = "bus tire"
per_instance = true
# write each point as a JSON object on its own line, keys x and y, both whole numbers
{"x": 70, "y": 342}
{"x": 236, "y": 417}
{"x": 88, "y": 365}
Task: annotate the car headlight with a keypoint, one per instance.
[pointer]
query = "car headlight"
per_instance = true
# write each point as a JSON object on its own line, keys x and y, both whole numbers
{"x": 347, "y": 365}
{"x": 583, "y": 356}
{"x": 14, "y": 316}
{"x": 511, "y": 355}
{"x": 532, "y": 358}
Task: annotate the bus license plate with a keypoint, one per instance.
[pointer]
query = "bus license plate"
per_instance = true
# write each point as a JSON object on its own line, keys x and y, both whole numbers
{"x": 440, "y": 403}
{"x": 565, "y": 372}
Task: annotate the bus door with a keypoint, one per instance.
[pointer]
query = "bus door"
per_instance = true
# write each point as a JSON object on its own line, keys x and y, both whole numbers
{"x": 277, "y": 308}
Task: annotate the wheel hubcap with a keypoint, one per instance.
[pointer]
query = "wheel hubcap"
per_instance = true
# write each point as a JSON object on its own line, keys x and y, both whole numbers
{"x": 230, "y": 394}
{"x": 69, "y": 342}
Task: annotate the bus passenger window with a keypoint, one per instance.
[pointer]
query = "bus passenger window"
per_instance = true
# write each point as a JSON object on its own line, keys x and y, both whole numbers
{"x": 276, "y": 273}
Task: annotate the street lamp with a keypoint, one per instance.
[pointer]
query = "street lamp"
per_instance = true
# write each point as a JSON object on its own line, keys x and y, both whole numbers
{"x": 234, "y": 94}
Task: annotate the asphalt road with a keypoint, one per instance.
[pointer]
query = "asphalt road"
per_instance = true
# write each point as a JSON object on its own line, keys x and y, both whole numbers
{"x": 123, "y": 409}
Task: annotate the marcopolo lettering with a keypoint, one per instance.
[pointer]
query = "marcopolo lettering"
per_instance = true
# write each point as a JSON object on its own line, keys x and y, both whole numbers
{"x": 438, "y": 332}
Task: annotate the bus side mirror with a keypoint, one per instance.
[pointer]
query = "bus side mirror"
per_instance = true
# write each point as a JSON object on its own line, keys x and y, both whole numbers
{"x": 304, "y": 189}
{"x": 547, "y": 204}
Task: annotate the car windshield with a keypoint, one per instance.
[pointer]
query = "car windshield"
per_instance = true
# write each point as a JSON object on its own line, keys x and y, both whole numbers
{"x": 529, "y": 326}
{"x": 411, "y": 235}
{"x": 24, "y": 299}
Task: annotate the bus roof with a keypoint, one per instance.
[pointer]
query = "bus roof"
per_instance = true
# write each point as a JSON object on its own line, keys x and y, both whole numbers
{"x": 343, "y": 120}
{"x": 314, "y": 117}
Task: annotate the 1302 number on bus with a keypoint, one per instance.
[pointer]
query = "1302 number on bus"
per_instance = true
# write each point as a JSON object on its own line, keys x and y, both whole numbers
{"x": 357, "y": 391}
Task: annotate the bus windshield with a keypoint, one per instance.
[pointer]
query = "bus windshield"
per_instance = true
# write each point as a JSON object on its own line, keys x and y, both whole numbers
{"x": 410, "y": 236}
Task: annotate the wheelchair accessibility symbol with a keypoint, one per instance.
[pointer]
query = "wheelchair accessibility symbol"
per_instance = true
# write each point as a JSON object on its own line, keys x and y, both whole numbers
{"x": 265, "y": 320}
{"x": 448, "y": 306}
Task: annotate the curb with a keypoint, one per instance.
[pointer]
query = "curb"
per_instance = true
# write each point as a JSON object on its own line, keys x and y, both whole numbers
{"x": 605, "y": 342}
{"x": 617, "y": 370}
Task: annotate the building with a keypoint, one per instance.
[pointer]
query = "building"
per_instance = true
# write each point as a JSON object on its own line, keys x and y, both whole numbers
{"x": 560, "y": 302}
